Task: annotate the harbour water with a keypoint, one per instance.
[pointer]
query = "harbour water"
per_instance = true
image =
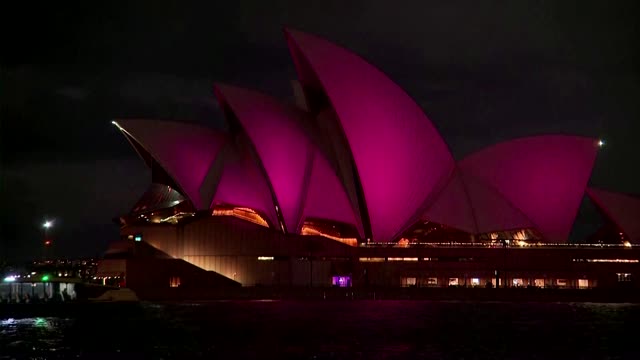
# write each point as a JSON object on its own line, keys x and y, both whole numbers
{"x": 328, "y": 330}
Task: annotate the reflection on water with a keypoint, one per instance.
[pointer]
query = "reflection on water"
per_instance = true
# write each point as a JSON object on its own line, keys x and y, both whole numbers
{"x": 31, "y": 337}
{"x": 328, "y": 330}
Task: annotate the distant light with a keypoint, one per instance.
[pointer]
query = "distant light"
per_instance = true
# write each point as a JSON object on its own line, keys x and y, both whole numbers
{"x": 47, "y": 224}
{"x": 138, "y": 238}
{"x": 626, "y": 244}
{"x": 176, "y": 202}
{"x": 45, "y": 278}
{"x": 47, "y": 243}
{"x": 10, "y": 279}
{"x": 601, "y": 143}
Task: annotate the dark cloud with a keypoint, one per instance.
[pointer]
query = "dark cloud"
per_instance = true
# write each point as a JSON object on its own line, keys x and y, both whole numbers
{"x": 483, "y": 71}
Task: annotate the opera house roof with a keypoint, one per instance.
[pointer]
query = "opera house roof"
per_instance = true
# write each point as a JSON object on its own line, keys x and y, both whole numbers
{"x": 356, "y": 149}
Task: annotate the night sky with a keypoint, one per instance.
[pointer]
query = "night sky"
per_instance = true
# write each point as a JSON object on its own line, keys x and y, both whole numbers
{"x": 484, "y": 71}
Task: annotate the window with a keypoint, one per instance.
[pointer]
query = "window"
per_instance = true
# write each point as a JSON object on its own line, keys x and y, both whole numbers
{"x": 407, "y": 281}
{"x": 265, "y": 258}
{"x": 341, "y": 281}
{"x": 538, "y": 282}
{"x": 518, "y": 282}
{"x": 453, "y": 281}
{"x": 371, "y": 259}
{"x": 402, "y": 259}
{"x": 561, "y": 282}
{"x": 432, "y": 281}
{"x": 475, "y": 282}
{"x": 624, "y": 277}
{"x": 174, "y": 281}
{"x": 583, "y": 283}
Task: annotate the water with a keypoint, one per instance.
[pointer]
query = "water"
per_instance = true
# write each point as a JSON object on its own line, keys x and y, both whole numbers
{"x": 329, "y": 330}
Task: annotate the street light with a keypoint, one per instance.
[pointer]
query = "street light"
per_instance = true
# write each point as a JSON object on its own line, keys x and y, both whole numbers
{"x": 47, "y": 242}
{"x": 47, "y": 224}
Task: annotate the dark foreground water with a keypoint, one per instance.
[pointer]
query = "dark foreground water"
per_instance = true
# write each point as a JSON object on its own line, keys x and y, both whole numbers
{"x": 329, "y": 330}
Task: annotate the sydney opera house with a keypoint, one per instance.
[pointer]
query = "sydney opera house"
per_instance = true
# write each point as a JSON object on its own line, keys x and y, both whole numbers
{"x": 352, "y": 185}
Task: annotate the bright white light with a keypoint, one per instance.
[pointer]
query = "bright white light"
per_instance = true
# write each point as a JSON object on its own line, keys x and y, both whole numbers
{"x": 10, "y": 279}
{"x": 176, "y": 202}
{"x": 117, "y": 125}
{"x": 601, "y": 143}
{"x": 47, "y": 224}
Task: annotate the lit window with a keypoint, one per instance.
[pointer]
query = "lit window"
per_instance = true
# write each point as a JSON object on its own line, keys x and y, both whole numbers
{"x": 408, "y": 281}
{"x": 402, "y": 259}
{"x": 453, "y": 281}
{"x": 432, "y": 281}
{"x": 265, "y": 258}
{"x": 583, "y": 283}
{"x": 475, "y": 281}
{"x": 624, "y": 277}
{"x": 538, "y": 282}
{"x": 518, "y": 282}
{"x": 371, "y": 259}
{"x": 561, "y": 282}
{"x": 341, "y": 281}
{"x": 174, "y": 281}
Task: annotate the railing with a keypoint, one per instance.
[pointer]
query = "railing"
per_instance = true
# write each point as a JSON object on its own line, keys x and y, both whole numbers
{"x": 513, "y": 245}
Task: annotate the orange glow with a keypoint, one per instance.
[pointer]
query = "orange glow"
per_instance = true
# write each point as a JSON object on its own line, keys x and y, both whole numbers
{"x": 173, "y": 219}
{"x": 309, "y": 230}
{"x": 520, "y": 235}
{"x": 404, "y": 242}
{"x": 242, "y": 213}
{"x": 402, "y": 259}
{"x": 174, "y": 281}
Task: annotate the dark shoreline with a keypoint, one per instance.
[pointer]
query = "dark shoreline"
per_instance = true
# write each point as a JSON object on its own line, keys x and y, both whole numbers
{"x": 426, "y": 294}
{"x": 314, "y": 295}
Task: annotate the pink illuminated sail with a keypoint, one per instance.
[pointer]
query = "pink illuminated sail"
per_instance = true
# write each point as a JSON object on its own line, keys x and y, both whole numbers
{"x": 399, "y": 155}
{"x": 470, "y": 205}
{"x": 242, "y": 184}
{"x": 287, "y": 155}
{"x": 326, "y": 197}
{"x": 542, "y": 176}
{"x": 282, "y": 147}
{"x": 185, "y": 151}
{"x": 622, "y": 209}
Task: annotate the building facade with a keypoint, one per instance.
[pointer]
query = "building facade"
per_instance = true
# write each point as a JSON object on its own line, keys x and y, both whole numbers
{"x": 353, "y": 186}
